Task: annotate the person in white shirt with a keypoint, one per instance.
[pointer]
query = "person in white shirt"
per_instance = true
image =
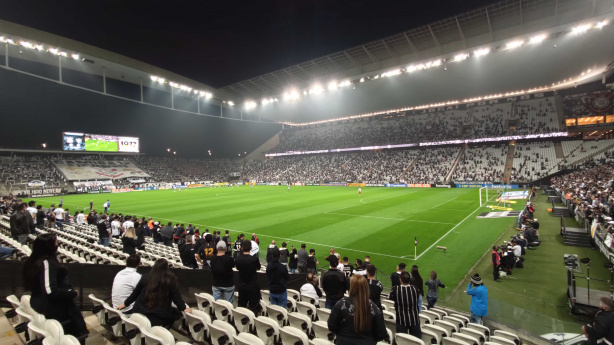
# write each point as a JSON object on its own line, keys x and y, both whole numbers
{"x": 311, "y": 290}
{"x": 255, "y": 249}
{"x": 125, "y": 281}
{"x": 32, "y": 209}
{"x": 81, "y": 218}
{"x": 59, "y": 217}
{"x": 128, "y": 224}
{"x": 115, "y": 225}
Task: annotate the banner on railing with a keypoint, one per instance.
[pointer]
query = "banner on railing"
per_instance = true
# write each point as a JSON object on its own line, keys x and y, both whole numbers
{"x": 92, "y": 170}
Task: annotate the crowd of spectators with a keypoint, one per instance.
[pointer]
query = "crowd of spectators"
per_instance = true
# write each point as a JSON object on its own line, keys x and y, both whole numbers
{"x": 536, "y": 116}
{"x": 533, "y": 161}
{"x": 481, "y": 163}
{"x": 17, "y": 171}
{"x": 179, "y": 169}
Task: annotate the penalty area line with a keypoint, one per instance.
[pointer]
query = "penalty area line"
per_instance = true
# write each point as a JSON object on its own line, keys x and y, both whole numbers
{"x": 442, "y": 237}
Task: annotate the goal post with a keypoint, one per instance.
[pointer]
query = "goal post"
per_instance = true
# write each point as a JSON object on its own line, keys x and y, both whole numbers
{"x": 490, "y": 196}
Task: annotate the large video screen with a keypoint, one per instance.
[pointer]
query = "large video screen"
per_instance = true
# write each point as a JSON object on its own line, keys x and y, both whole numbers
{"x": 99, "y": 143}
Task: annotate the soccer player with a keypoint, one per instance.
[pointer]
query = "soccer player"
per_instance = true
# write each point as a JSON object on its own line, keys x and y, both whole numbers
{"x": 288, "y": 186}
{"x": 91, "y": 205}
{"x": 359, "y": 191}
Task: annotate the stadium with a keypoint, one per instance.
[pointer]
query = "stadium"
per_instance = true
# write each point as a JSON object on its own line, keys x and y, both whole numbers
{"x": 477, "y": 145}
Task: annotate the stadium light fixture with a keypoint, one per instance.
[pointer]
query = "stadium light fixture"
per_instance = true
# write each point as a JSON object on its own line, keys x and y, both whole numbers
{"x": 75, "y": 56}
{"x": 514, "y": 44}
{"x": 174, "y": 152}
{"x": 168, "y": 150}
{"x": 39, "y": 47}
{"x": 601, "y": 24}
{"x": 231, "y": 103}
{"x": 10, "y": 41}
{"x": 44, "y": 145}
{"x": 580, "y": 29}
{"x": 537, "y": 39}
{"x": 249, "y": 105}
{"x": 481, "y": 52}
{"x": 316, "y": 90}
{"x": 391, "y": 73}
{"x": 332, "y": 85}
{"x": 26, "y": 44}
{"x": 460, "y": 57}
{"x": 345, "y": 83}
{"x": 292, "y": 95}
{"x": 362, "y": 80}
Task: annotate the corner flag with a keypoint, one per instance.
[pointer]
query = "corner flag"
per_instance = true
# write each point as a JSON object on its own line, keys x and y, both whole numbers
{"x": 415, "y": 247}
{"x": 415, "y": 241}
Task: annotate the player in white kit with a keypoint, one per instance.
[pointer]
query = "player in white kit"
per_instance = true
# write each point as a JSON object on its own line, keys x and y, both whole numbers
{"x": 359, "y": 191}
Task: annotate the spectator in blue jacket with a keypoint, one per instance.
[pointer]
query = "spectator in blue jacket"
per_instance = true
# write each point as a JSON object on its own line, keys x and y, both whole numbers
{"x": 479, "y": 299}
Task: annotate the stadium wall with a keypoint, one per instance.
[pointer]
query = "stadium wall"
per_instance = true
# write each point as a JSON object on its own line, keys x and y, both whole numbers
{"x": 37, "y": 111}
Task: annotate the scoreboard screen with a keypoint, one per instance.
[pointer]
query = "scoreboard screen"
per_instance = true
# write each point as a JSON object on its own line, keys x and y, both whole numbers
{"x": 99, "y": 143}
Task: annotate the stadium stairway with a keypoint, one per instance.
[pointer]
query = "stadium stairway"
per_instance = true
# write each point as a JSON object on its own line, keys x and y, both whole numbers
{"x": 575, "y": 237}
{"x": 558, "y": 150}
{"x": 509, "y": 162}
{"x": 461, "y": 153}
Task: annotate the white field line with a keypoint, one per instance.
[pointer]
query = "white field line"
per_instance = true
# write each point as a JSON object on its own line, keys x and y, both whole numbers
{"x": 362, "y": 202}
{"x": 445, "y": 202}
{"x": 400, "y": 219}
{"x": 260, "y": 235}
{"x": 446, "y": 234}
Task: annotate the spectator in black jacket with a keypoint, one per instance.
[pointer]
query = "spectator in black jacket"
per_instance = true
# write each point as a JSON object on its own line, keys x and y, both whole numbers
{"x": 375, "y": 287}
{"x": 278, "y": 276}
{"x": 269, "y": 252}
{"x": 20, "y": 226}
{"x": 51, "y": 293}
{"x": 154, "y": 294}
{"x": 356, "y": 320}
{"x": 247, "y": 286}
{"x": 418, "y": 283}
{"x": 283, "y": 254}
{"x": 223, "y": 275}
{"x": 334, "y": 284}
{"x": 187, "y": 252}
{"x": 40, "y": 217}
{"x": 293, "y": 262}
{"x": 394, "y": 277}
{"x": 603, "y": 326}
{"x": 104, "y": 231}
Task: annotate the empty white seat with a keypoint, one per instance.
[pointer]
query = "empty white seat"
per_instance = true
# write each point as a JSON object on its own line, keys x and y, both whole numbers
{"x": 485, "y": 331}
{"x": 429, "y": 337}
{"x": 300, "y": 321}
{"x": 406, "y": 339}
{"x": 221, "y": 333}
{"x": 243, "y": 319}
{"x": 114, "y": 320}
{"x": 267, "y": 330}
{"x": 425, "y": 320}
{"x": 471, "y": 340}
{"x": 321, "y": 331}
{"x": 461, "y": 317}
{"x": 307, "y": 299}
{"x": 449, "y": 326}
{"x": 223, "y": 310}
{"x": 68, "y": 339}
{"x": 323, "y": 314}
{"x": 158, "y": 336}
{"x": 501, "y": 340}
{"x": 308, "y": 309}
{"x": 441, "y": 332}
{"x": 205, "y": 302}
{"x": 278, "y": 313}
{"x": 439, "y": 311}
{"x": 134, "y": 326}
{"x": 294, "y": 294}
{"x": 98, "y": 309}
{"x": 198, "y": 324}
{"x": 54, "y": 332}
{"x": 507, "y": 335}
{"x": 291, "y": 305}
{"x": 247, "y": 339}
{"x": 473, "y": 332}
{"x": 389, "y": 315}
{"x": 266, "y": 296}
{"x": 432, "y": 314}
{"x": 392, "y": 326}
{"x": 458, "y": 322}
{"x": 14, "y": 301}
{"x": 293, "y": 336}
{"x": 453, "y": 341}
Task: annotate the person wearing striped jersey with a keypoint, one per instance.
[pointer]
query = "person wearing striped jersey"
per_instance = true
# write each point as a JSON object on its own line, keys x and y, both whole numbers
{"x": 405, "y": 298}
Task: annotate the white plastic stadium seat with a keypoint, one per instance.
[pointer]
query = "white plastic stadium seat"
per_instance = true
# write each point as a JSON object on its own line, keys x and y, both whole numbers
{"x": 507, "y": 335}
{"x": 223, "y": 310}
{"x": 317, "y": 341}
{"x": 320, "y": 328}
{"x": 98, "y": 309}
{"x": 134, "y": 327}
{"x": 293, "y": 336}
{"x": 222, "y": 333}
{"x": 205, "y": 302}
{"x": 244, "y": 319}
{"x": 267, "y": 330}
{"x": 294, "y": 294}
{"x": 54, "y": 332}
{"x": 453, "y": 341}
{"x": 482, "y": 331}
{"x": 157, "y": 335}
{"x": 114, "y": 320}
{"x": 300, "y": 321}
{"x": 323, "y": 314}
{"x": 247, "y": 339}
{"x": 278, "y": 313}
{"x": 501, "y": 340}
{"x": 458, "y": 322}
{"x": 198, "y": 324}
{"x": 429, "y": 337}
{"x": 471, "y": 340}
{"x": 441, "y": 332}
{"x": 449, "y": 326}
{"x": 406, "y": 339}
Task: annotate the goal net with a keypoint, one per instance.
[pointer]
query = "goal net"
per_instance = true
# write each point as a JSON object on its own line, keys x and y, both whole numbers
{"x": 490, "y": 196}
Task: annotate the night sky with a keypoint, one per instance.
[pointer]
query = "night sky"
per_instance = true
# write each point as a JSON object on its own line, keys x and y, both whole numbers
{"x": 222, "y": 42}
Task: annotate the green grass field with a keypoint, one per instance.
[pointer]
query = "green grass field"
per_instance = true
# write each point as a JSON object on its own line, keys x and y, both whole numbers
{"x": 382, "y": 223}
{"x": 101, "y": 145}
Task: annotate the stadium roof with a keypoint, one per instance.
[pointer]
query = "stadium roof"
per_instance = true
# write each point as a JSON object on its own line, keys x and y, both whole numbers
{"x": 472, "y": 29}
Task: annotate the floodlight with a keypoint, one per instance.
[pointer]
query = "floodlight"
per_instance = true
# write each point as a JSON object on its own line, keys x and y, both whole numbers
{"x": 249, "y": 105}
{"x": 26, "y": 44}
{"x": 537, "y": 39}
{"x": 332, "y": 85}
{"x": 75, "y": 56}
{"x": 39, "y": 47}
{"x": 8, "y": 40}
{"x": 316, "y": 90}
{"x": 481, "y": 52}
{"x": 514, "y": 44}
{"x": 580, "y": 29}
{"x": 601, "y": 24}
{"x": 231, "y": 103}
{"x": 460, "y": 57}
{"x": 362, "y": 80}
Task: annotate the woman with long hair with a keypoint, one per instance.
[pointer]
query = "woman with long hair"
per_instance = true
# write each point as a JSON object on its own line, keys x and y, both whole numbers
{"x": 356, "y": 320}
{"x": 433, "y": 286}
{"x": 51, "y": 293}
{"x": 129, "y": 241}
{"x": 418, "y": 283}
{"x": 153, "y": 295}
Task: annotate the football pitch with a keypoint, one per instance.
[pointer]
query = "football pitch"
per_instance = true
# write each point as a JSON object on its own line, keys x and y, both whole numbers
{"x": 101, "y": 145}
{"x": 383, "y": 223}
